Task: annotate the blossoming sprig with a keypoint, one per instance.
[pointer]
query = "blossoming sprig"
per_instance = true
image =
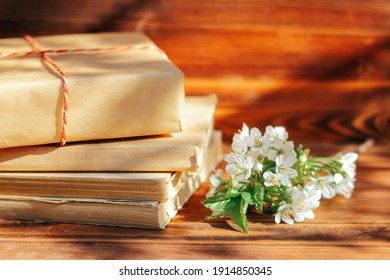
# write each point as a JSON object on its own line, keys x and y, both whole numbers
{"x": 267, "y": 174}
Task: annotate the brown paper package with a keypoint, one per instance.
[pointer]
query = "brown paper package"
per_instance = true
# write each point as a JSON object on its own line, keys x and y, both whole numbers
{"x": 112, "y": 94}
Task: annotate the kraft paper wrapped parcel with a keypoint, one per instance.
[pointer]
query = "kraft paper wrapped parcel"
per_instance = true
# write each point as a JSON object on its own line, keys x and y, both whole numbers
{"x": 113, "y": 93}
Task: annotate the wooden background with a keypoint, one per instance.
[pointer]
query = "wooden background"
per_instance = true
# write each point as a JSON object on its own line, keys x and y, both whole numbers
{"x": 320, "y": 68}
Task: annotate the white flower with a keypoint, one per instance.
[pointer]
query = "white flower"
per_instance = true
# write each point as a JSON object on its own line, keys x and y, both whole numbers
{"x": 272, "y": 179}
{"x": 240, "y": 139}
{"x": 284, "y": 166}
{"x": 257, "y": 157}
{"x": 274, "y": 142}
{"x": 275, "y": 139}
{"x": 255, "y": 144}
{"x": 230, "y": 158}
{"x": 284, "y": 214}
{"x": 301, "y": 207}
{"x": 259, "y": 152}
{"x": 244, "y": 132}
{"x": 238, "y": 146}
{"x": 253, "y": 138}
{"x": 279, "y": 147}
{"x": 277, "y": 132}
{"x": 242, "y": 168}
{"x": 314, "y": 196}
{"x": 215, "y": 180}
{"x": 344, "y": 186}
{"x": 325, "y": 184}
{"x": 259, "y": 167}
{"x": 348, "y": 162}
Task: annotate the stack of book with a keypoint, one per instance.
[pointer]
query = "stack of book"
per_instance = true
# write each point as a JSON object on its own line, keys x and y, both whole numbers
{"x": 138, "y": 181}
{"x": 154, "y": 175}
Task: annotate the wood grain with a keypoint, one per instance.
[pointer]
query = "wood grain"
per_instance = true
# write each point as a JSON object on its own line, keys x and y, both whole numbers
{"x": 358, "y": 228}
{"x": 321, "y": 68}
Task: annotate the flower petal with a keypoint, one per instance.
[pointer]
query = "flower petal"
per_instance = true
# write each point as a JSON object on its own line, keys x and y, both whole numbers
{"x": 289, "y": 161}
{"x": 285, "y": 180}
{"x": 214, "y": 180}
{"x": 287, "y": 219}
{"x": 349, "y": 157}
{"x": 272, "y": 154}
{"x": 310, "y": 214}
{"x": 278, "y": 218}
{"x": 299, "y": 217}
{"x": 230, "y": 158}
{"x": 231, "y": 169}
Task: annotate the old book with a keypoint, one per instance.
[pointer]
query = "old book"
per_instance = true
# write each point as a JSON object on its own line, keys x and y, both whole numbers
{"x": 111, "y": 211}
{"x": 119, "y": 85}
{"x": 179, "y": 151}
{"x": 106, "y": 185}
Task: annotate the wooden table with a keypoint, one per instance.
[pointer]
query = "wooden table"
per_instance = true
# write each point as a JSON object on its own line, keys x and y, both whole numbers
{"x": 320, "y": 68}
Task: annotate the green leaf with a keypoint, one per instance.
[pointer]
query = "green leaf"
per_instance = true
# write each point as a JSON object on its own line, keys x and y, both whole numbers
{"x": 216, "y": 216}
{"x": 247, "y": 197}
{"x": 225, "y": 203}
{"x": 245, "y": 201}
{"x": 238, "y": 209}
{"x": 220, "y": 206}
{"x": 240, "y": 220}
{"x": 233, "y": 185}
{"x": 220, "y": 197}
{"x": 233, "y": 206}
{"x": 258, "y": 195}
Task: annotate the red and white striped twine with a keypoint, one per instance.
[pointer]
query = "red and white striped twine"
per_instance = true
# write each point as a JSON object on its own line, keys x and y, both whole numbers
{"x": 62, "y": 75}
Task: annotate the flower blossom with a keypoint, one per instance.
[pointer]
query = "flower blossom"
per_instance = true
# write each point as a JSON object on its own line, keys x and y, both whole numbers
{"x": 253, "y": 138}
{"x": 284, "y": 167}
{"x": 348, "y": 162}
{"x": 275, "y": 139}
{"x": 344, "y": 186}
{"x": 241, "y": 169}
{"x": 215, "y": 180}
{"x": 273, "y": 180}
{"x": 325, "y": 184}
{"x": 266, "y": 169}
{"x": 301, "y": 206}
{"x": 277, "y": 132}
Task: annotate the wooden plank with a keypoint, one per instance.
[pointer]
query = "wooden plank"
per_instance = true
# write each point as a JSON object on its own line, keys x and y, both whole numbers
{"x": 65, "y": 17}
{"x": 318, "y": 67}
{"x": 358, "y": 228}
